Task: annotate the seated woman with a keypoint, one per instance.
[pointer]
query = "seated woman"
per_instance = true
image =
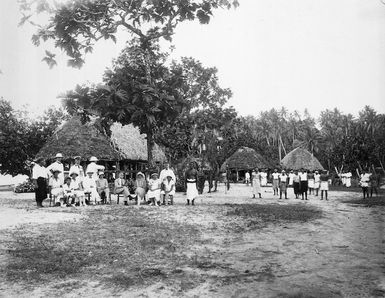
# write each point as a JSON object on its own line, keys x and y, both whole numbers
{"x": 121, "y": 187}
{"x": 153, "y": 193}
{"x": 102, "y": 188}
{"x": 140, "y": 187}
{"x": 77, "y": 187}
{"x": 89, "y": 185}
{"x": 68, "y": 193}
{"x": 56, "y": 189}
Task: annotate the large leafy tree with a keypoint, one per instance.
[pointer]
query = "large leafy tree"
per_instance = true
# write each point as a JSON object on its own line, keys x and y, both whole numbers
{"x": 127, "y": 97}
{"x": 75, "y": 26}
{"x": 21, "y": 138}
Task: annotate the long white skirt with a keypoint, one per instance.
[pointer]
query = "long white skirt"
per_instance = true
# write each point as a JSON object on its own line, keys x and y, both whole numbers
{"x": 311, "y": 183}
{"x": 192, "y": 191}
{"x": 154, "y": 194}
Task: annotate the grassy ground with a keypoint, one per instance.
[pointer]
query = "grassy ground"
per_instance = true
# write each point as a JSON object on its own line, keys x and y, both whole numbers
{"x": 368, "y": 202}
{"x": 122, "y": 248}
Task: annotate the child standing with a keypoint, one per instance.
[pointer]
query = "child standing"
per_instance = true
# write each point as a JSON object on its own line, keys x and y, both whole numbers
{"x": 153, "y": 193}
{"x": 364, "y": 182}
{"x": 310, "y": 179}
{"x": 296, "y": 184}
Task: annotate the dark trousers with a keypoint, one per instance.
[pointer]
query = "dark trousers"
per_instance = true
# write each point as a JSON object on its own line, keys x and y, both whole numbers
{"x": 41, "y": 191}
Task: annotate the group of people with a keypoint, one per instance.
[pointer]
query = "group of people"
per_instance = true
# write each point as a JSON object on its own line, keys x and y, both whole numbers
{"x": 302, "y": 181}
{"x": 369, "y": 183}
{"x": 90, "y": 187}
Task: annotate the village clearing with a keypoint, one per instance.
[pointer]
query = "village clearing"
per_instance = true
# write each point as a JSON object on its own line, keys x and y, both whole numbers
{"x": 229, "y": 245}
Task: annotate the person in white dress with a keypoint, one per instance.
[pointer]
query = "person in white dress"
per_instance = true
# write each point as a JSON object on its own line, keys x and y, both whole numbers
{"x": 153, "y": 193}
{"x": 68, "y": 192}
{"x": 247, "y": 178}
{"x": 94, "y": 168}
{"x": 316, "y": 182}
{"x": 263, "y": 178}
{"x": 89, "y": 185}
{"x": 57, "y": 165}
{"x": 256, "y": 182}
{"x": 77, "y": 188}
{"x": 348, "y": 181}
{"x": 56, "y": 189}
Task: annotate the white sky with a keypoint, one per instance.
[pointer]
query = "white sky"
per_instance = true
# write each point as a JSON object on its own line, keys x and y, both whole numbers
{"x": 313, "y": 54}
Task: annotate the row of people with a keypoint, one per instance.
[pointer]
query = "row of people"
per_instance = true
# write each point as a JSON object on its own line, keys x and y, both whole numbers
{"x": 93, "y": 187}
{"x": 301, "y": 181}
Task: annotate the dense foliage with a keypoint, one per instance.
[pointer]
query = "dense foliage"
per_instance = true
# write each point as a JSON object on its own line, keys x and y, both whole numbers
{"x": 21, "y": 137}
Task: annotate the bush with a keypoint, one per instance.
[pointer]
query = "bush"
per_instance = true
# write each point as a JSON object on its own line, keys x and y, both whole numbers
{"x": 26, "y": 186}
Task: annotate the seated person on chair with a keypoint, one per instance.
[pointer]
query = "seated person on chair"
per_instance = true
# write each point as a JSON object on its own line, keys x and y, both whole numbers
{"x": 102, "y": 188}
{"x": 55, "y": 188}
{"x": 121, "y": 187}
{"x": 89, "y": 185}
{"x": 68, "y": 192}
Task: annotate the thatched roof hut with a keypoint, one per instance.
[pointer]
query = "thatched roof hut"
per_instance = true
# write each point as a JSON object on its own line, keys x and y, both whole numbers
{"x": 74, "y": 138}
{"x": 300, "y": 158}
{"x": 245, "y": 159}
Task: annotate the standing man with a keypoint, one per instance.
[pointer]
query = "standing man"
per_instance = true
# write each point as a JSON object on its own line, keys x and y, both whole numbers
{"x": 324, "y": 184}
{"x": 57, "y": 165}
{"x": 39, "y": 177}
{"x": 191, "y": 180}
{"x": 304, "y": 183}
{"x": 94, "y": 168}
{"x": 283, "y": 181}
{"x": 77, "y": 167}
{"x": 275, "y": 177}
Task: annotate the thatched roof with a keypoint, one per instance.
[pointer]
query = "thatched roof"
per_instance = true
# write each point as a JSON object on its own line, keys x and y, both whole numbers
{"x": 74, "y": 138}
{"x": 301, "y": 158}
{"x": 132, "y": 144}
{"x": 246, "y": 159}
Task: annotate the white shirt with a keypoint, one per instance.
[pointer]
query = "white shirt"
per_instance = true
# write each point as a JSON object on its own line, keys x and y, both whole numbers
{"x": 166, "y": 172}
{"x": 283, "y": 177}
{"x": 55, "y": 183}
{"x": 75, "y": 184}
{"x": 77, "y": 169}
{"x": 57, "y": 166}
{"x": 275, "y": 176}
{"x": 317, "y": 178}
{"x": 168, "y": 185}
{"x": 303, "y": 176}
{"x": 39, "y": 171}
{"x": 247, "y": 175}
{"x": 94, "y": 168}
{"x": 291, "y": 178}
{"x": 89, "y": 183}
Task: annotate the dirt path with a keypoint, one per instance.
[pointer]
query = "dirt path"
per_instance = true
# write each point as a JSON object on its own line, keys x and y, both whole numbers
{"x": 339, "y": 255}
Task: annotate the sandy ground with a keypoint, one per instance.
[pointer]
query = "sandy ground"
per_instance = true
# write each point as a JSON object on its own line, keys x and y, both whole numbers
{"x": 340, "y": 255}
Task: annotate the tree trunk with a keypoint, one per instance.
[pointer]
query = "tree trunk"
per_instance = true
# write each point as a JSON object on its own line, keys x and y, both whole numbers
{"x": 150, "y": 147}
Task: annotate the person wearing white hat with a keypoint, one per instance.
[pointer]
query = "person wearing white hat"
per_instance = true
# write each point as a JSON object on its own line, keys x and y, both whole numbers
{"x": 89, "y": 185}
{"x": 121, "y": 187}
{"x": 78, "y": 167}
{"x": 102, "y": 187}
{"x": 77, "y": 187}
{"x": 140, "y": 187}
{"x": 56, "y": 188}
{"x": 94, "y": 168}
{"x": 153, "y": 192}
{"x": 57, "y": 165}
{"x": 168, "y": 186}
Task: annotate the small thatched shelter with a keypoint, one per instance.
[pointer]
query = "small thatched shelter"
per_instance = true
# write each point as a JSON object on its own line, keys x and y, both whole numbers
{"x": 243, "y": 160}
{"x": 300, "y": 158}
{"x": 126, "y": 149}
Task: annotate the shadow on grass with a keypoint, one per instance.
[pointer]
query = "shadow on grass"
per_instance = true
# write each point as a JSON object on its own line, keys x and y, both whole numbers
{"x": 117, "y": 247}
{"x": 259, "y": 215}
{"x": 368, "y": 202}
